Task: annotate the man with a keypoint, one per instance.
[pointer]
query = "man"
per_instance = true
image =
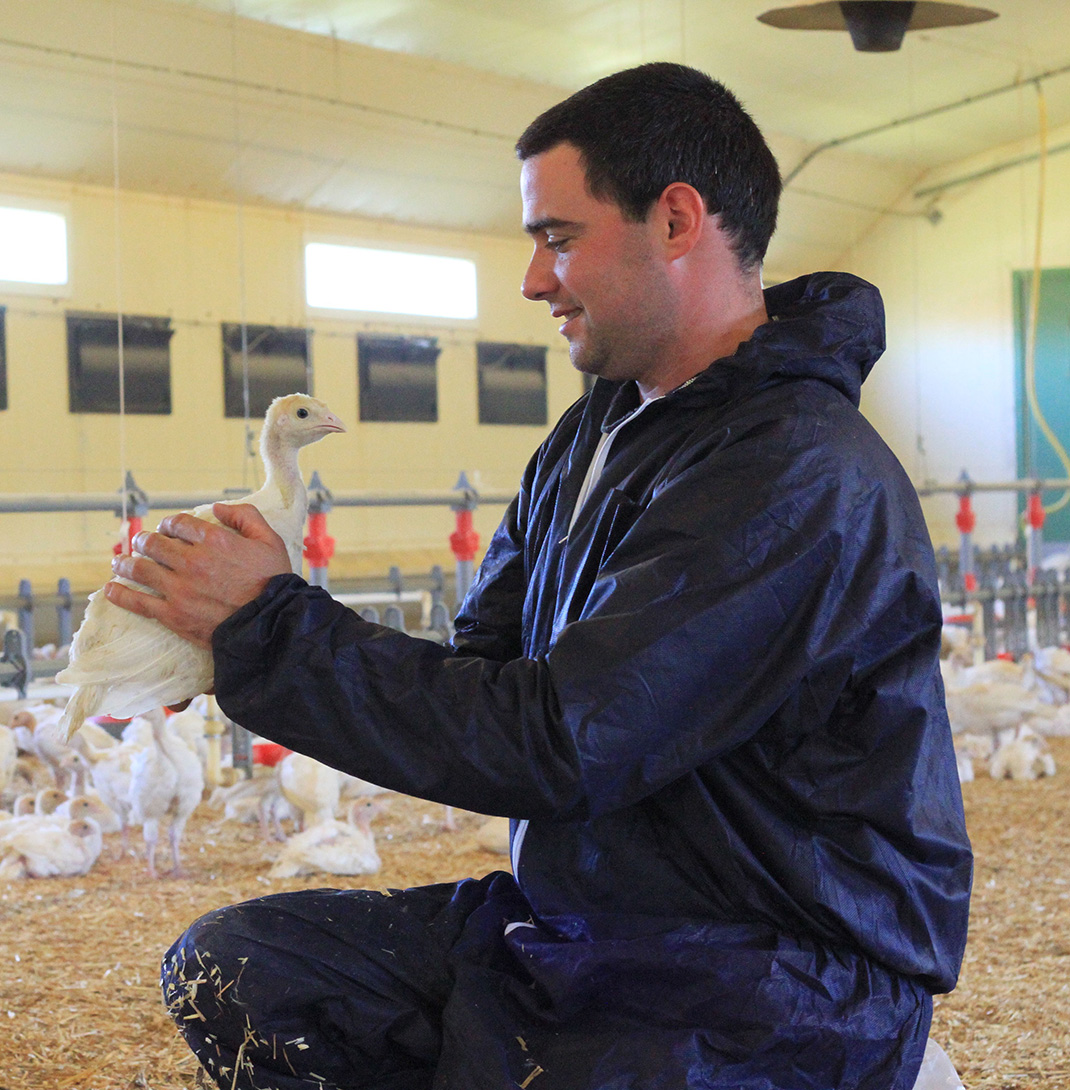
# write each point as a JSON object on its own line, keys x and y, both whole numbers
{"x": 698, "y": 668}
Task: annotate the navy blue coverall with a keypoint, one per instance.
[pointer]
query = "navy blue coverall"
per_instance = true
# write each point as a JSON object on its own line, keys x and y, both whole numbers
{"x": 713, "y": 708}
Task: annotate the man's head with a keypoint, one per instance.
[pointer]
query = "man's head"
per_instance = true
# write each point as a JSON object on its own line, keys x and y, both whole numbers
{"x": 640, "y": 130}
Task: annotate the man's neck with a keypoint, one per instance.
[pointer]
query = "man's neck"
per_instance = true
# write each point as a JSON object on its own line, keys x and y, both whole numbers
{"x": 700, "y": 351}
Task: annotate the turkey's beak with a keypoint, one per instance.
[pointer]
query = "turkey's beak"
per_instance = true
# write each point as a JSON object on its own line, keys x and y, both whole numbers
{"x": 331, "y": 422}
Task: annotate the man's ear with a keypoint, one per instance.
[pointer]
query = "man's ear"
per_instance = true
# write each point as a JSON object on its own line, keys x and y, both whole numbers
{"x": 682, "y": 215}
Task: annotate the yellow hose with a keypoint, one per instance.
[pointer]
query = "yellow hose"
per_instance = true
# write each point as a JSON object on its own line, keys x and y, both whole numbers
{"x": 1034, "y": 312}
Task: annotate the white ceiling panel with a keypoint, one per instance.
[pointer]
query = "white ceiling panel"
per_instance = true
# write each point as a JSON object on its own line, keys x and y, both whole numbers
{"x": 407, "y": 110}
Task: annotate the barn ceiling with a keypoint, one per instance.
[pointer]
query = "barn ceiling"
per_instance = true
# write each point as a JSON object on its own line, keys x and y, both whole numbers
{"x": 406, "y": 110}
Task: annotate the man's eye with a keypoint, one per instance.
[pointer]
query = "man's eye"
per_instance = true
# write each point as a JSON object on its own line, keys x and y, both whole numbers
{"x": 554, "y": 243}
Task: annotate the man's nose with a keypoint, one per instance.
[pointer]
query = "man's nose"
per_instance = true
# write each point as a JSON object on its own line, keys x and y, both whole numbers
{"x": 539, "y": 281}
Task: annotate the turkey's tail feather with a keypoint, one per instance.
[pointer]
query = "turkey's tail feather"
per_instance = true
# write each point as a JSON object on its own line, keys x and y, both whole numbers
{"x": 84, "y": 702}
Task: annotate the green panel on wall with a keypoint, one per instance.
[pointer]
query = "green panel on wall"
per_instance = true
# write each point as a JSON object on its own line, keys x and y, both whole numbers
{"x": 1036, "y": 456}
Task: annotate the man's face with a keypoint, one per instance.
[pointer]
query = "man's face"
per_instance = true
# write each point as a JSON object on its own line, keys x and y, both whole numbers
{"x": 601, "y": 273}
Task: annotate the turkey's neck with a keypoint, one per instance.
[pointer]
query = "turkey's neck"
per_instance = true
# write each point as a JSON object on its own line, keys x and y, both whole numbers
{"x": 283, "y": 472}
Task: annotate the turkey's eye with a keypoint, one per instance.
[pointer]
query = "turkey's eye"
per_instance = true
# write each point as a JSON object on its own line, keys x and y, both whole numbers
{"x": 302, "y": 413}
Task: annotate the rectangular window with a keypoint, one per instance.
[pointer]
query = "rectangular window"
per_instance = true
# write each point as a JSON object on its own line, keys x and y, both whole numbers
{"x": 93, "y": 363}
{"x": 398, "y": 378}
{"x": 3, "y": 358}
{"x": 389, "y": 281}
{"x": 512, "y": 383}
{"x": 278, "y": 364}
{"x": 33, "y": 247}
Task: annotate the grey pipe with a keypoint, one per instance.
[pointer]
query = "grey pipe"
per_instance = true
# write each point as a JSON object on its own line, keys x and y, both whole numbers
{"x": 1032, "y": 484}
{"x": 923, "y": 115}
{"x": 177, "y": 501}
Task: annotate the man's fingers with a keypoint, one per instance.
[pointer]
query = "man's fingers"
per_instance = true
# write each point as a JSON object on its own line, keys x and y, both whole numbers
{"x": 245, "y": 518}
{"x": 203, "y": 571}
{"x": 185, "y": 527}
{"x": 152, "y": 553}
{"x": 196, "y": 626}
{"x": 136, "y": 601}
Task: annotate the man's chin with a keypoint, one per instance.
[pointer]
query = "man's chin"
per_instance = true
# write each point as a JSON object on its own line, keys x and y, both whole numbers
{"x": 583, "y": 361}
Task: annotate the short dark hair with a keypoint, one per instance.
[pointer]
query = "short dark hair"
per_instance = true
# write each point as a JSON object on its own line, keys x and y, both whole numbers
{"x": 642, "y": 129}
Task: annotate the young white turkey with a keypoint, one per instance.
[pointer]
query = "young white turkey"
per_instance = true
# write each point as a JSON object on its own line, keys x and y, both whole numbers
{"x": 91, "y": 806}
{"x": 110, "y": 768}
{"x": 333, "y": 847}
{"x": 39, "y": 732}
{"x": 124, "y": 664}
{"x": 189, "y": 726}
{"x": 23, "y": 807}
{"x": 29, "y": 813}
{"x": 9, "y": 752}
{"x": 48, "y": 800}
{"x": 957, "y": 643}
{"x": 493, "y": 835}
{"x": 257, "y": 800}
{"x": 50, "y": 850}
{"x": 166, "y": 784}
{"x": 992, "y": 706}
{"x": 310, "y": 787}
{"x": 353, "y": 787}
{"x": 94, "y": 733}
{"x": 31, "y": 774}
{"x": 1052, "y": 666}
{"x": 1026, "y": 756}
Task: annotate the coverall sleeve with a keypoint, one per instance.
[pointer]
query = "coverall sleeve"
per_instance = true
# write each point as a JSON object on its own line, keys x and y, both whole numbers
{"x": 710, "y": 608}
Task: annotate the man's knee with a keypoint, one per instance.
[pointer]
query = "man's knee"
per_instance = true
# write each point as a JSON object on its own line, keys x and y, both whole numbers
{"x": 199, "y": 971}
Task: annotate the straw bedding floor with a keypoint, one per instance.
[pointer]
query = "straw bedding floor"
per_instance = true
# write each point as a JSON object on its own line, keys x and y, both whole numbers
{"x": 80, "y": 1006}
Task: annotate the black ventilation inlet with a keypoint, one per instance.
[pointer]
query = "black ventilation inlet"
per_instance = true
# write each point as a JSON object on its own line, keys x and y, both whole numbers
{"x": 875, "y": 26}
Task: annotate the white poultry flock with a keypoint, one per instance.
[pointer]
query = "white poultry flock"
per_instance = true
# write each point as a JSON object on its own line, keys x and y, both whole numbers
{"x": 39, "y": 807}
{"x": 90, "y": 806}
{"x": 125, "y": 664}
{"x": 38, "y": 731}
{"x": 1000, "y": 710}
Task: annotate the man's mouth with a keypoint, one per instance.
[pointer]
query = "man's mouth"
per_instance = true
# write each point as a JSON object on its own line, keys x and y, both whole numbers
{"x": 568, "y": 313}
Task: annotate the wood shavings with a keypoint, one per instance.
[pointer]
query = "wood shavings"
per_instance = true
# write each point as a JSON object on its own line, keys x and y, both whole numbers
{"x": 531, "y": 1078}
{"x": 79, "y": 971}
{"x": 103, "y": 1024}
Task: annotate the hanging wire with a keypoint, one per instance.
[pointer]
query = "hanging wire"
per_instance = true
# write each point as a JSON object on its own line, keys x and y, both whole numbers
{"x": 306, "y": 152}
{"x": 250, "y": 462}
{"x": 119, "y": 283}
{"x": 921, "y": 455}
{"x": 1034, "y": 309}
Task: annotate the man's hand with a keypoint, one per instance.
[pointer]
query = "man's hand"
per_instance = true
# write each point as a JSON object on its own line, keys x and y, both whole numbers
{"x": 202, "y": 572}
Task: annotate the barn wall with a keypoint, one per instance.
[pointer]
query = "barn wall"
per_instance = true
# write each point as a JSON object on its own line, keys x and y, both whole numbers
{"x": 200, "y": 264}
{"x": 944, "y": 393}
